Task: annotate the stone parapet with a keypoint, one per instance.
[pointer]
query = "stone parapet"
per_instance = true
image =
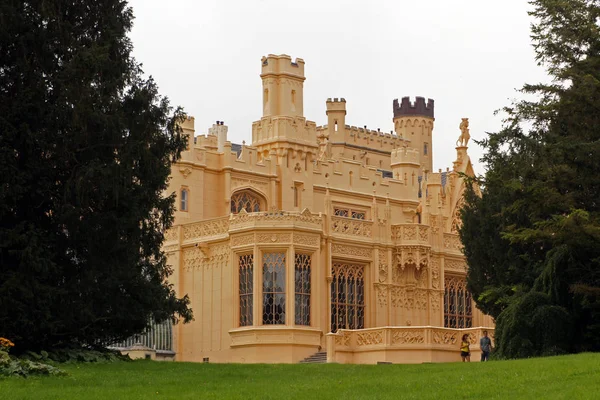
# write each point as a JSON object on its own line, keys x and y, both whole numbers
{"x": 402, "y": 344}
{"x": 411, "y": 234}
{"x": 357, "y": 228}
{"x": 276, "y": 219}
{"x": 452, "y": 243}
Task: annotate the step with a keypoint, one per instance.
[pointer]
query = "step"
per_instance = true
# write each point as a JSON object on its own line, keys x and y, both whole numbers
{"x": 317, "y": 358}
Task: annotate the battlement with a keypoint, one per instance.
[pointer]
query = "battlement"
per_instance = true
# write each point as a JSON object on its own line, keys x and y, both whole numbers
{"x": 336, "y": 105}
{"x": 368, "y": 138}
{"x": 405, "y": 155}
{"x": 187, "y": 122}
{"x": 419, "y": 107}
{"x": 365, "y": 131}
{"x": 282, "y": 65}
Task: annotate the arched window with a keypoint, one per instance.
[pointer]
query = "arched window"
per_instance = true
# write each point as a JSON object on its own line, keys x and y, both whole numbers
{"x": 458, "y": 312}
{"x": 347, "y": 296}
{"x": 245, "y": 200}
{"x": 184, "y": 199}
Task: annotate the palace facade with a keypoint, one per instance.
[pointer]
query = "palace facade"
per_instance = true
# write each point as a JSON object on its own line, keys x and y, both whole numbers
{"x": 331, "y": 238}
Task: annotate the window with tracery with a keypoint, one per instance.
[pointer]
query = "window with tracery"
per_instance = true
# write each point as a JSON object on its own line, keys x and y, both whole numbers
{"x": 184, "y": 200}
{"x": 458, "y": 310}
{"x": 246, "y": 201}
{"x": 246, "y": 275}
{"x": 302, "y": 289}
{"x": 347, "y": 296}
{"x": 349, "y": 213}
{"x": 274, "y": 288}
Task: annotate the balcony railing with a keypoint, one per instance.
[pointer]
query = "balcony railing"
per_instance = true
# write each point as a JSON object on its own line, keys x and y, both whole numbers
{"x": 452, "y": 243}
{"x": 407, "y": 233}
{"x": 205, "y": 229}
{"x": 351, "y": 227}
{"x": 276, "y": 219}
{"x": 398, "y": 340}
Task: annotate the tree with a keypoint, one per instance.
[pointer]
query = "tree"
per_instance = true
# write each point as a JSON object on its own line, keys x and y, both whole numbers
{"x": 86, "y": 146}
{"x": 532, "y": 240}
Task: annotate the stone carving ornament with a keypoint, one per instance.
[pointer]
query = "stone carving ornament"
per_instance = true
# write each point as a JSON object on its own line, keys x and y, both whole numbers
{"x": 404, "y": 336}
{"x": 464, "y": 137}
{"x": 383, "y": 266}
{"x": 369, "y": 338}
{"x": 273, "y": 238}
{"x": 345, "y": 250}
{"x": 306, "y": 240}
{"x": 242, "y": 240}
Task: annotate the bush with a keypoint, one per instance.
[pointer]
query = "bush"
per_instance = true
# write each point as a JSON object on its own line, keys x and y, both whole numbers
{"x": 12, "y": 366}
{"x": 76, "y": 355}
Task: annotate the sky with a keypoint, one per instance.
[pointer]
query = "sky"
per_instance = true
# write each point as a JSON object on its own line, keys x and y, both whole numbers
{"x": 470, "y": 56}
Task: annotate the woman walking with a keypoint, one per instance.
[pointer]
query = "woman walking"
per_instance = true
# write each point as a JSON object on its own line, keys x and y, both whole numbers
{"x": 465, "y": 351}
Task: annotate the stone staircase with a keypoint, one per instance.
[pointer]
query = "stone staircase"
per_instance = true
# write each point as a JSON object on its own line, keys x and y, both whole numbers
{"x": 317, "y": 358}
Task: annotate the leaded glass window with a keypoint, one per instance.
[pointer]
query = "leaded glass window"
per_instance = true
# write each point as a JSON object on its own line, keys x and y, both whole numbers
{"x": 302, "y": 289}
{"x": 184, "y": 200}
{"x": 244, "y": 200}
{"x": 274, "y": 288}
{"x": 347, "y": 296}
{"x": 458, "y": 311}
{"x": 246, "y": 275}
{"x": 349, "y": 213}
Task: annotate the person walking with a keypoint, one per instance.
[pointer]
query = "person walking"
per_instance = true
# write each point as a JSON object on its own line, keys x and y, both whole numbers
{"x": 465, "y": 351}
{"x": 485, "y": 343}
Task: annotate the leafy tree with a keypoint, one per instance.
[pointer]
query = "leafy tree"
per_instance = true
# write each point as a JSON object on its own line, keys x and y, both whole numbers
{"x": 86, "y": 145}
{"x": 532, "y": 239}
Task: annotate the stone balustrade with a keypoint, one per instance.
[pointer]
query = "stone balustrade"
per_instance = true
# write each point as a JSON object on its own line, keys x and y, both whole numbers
{"x": 278, "y": 219}
{"x": 410, "y": 233}
{"x": 452, "y": 243}
{"x": 406, "y": 344}
{"x": 210, "y": 228}
{"x": 351, "y": 227}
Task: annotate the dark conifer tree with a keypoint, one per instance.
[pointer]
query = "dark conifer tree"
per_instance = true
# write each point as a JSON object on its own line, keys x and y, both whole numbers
{"x": 86, "y": 145}
{"x": 533, "y": 238}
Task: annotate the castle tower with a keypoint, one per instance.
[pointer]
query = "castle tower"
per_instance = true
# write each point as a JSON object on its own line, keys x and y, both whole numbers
{"x": 406, "y": 166}
{"x": 282, "y": 129}
{"x": 414, "y": 122}
{"x": 187, "y": 126}
{"x": 283, "y": 83}
{"x": 336, "y": 118}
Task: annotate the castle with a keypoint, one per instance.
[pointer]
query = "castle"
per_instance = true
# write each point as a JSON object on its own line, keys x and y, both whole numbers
{"x": 332, "y": 238}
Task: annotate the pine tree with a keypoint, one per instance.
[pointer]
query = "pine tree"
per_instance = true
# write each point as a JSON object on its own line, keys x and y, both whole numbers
{"x": 86, "y": 145}
{"x": 532, "y": 239}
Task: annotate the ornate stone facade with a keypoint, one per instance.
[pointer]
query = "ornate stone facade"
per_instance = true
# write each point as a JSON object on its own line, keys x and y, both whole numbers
{"x": 333, "y": 237}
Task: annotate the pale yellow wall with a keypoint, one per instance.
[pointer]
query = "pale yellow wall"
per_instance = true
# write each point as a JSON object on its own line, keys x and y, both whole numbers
{"x": 287, "y": 153}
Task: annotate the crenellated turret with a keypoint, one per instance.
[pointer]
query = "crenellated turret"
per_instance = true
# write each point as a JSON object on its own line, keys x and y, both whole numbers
{"x": 283, "y": 83}
{"x": 414, "y": 122}
{"x": 336, "y": 118}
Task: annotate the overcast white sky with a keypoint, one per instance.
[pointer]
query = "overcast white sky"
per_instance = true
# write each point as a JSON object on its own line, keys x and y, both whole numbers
{"x": 467, "y": 55}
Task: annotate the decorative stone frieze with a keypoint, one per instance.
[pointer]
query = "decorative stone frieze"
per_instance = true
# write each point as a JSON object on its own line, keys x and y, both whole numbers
{"x": 347, "y": 250}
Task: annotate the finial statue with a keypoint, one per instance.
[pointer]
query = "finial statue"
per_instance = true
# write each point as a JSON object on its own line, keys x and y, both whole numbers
{"x": 464, "y": 137}
{"x": 324, "y": 147}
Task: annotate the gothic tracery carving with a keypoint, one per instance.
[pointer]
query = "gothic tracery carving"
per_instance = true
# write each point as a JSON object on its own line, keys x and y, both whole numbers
{"x": 369, "y": 338}
{"x": 408, "y": 337}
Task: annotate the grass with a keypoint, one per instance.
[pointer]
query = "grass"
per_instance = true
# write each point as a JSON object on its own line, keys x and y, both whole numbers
{"x": 564, "y": 377}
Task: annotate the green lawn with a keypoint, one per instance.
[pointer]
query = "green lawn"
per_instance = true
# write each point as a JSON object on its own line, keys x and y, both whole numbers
{"x": 565, "y": 377}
